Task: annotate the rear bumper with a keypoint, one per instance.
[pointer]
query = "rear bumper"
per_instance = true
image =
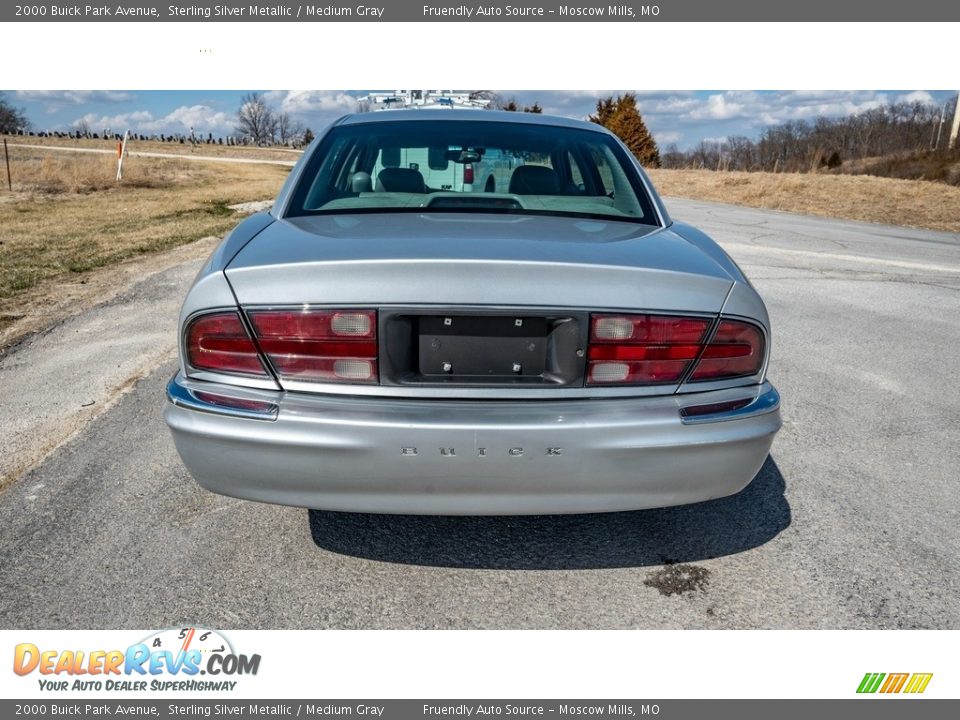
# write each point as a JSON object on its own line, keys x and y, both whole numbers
{"x": 471, "y": 458}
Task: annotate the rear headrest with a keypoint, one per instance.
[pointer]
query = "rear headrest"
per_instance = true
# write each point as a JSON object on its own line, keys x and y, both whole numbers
{"x": 360, "y": 182}
{"x": 534, "y": 180}
{"x": 400, "y": 180}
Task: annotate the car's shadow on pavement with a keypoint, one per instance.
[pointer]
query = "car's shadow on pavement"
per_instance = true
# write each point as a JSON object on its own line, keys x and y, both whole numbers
{"x": 563, "y": 542}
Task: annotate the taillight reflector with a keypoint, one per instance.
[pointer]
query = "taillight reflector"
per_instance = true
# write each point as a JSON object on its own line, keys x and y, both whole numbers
{"x": 468, "y": 174}
{"x": 219, "y": 342}
{"x": 660, "y": 349}
{"x": 714, "y": 408}
{"x": 234, "y": 403}
{"x": 319, "y": 345}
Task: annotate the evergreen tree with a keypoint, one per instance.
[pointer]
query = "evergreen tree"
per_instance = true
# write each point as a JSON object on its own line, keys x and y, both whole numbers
{"x": 621, "y": 117}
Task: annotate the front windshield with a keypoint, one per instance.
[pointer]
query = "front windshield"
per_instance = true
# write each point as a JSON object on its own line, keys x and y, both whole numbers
{"x": 470, "y": 166}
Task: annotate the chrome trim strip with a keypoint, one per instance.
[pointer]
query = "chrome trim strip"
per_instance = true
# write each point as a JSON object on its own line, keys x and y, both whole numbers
{"x": 766, "y": 402}
{"x": 182, "y": 396}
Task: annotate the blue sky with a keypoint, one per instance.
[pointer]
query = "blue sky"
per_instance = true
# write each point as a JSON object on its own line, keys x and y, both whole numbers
{"x": 681, "y": 117}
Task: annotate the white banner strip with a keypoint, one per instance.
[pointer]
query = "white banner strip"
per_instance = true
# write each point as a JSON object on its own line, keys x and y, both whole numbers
{"x": 549, "y": 56}
{"x": 477, "y": 664}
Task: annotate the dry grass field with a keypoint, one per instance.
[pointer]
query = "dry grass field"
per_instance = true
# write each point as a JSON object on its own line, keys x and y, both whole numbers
{"x": 67, "y": 215}
{"x": 915, "y": 203}
{"x": 173, "y": 148}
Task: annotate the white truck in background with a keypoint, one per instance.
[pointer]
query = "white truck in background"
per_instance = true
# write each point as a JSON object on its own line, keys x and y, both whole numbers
{"x": 444, "y": 168}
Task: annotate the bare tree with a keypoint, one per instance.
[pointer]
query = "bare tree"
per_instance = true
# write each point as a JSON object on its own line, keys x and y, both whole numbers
{"x": 12, "y": 120}
{"x": 83, "y": 127}
{"x": 285, "y": 128}
{"x": 674, "y": 158}
{"x": 741, "y": 152}
{"x": 256, "y": 120}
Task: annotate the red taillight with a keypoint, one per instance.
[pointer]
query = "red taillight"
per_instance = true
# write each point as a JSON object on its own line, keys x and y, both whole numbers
{"x": 468, "y": 174}
{"x": 736, "y": 350}
{"x": 642, "y": 349}
{"x": 219, "y": 342}
{"x": 659, "y": 349}
{"x": 319, "y": 345}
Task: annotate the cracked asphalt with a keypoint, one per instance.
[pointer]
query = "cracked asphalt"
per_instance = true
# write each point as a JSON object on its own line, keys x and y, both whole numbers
{"x": 853, "y": 522}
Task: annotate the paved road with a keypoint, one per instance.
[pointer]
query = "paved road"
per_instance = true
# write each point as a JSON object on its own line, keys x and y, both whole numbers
{"x": 854, "y": 522}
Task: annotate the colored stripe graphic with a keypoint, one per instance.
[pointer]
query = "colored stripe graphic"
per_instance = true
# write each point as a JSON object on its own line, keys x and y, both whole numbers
{"x": 918, "y": 682}
{"x": 870, "y": 682}
{"x": 894, "y": 682}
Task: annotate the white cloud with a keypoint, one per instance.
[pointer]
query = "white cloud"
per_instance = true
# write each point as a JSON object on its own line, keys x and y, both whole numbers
{"x": 202, "y": 118}
{"x": 74, "y": 97}
{"x": 301, "y": 102}
{"x": 918, "y": 96}
{"x": 718, "y": 107}
{"x": 666, "y": 137}
{"x": 118, "y": 123}
{"x": 758, "y": 109}
{"x": 668, "y": 105}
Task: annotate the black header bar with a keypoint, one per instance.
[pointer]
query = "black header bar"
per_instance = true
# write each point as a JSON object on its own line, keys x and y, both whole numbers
{"x": 853, "y": 11}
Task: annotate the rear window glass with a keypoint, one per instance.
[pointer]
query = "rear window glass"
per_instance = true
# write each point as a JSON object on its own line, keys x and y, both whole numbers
{"x": 471, "y": 166}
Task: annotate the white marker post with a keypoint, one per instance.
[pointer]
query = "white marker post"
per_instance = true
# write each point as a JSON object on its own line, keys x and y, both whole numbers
{"x": 955, "y": 129}
{"x": 121, "y": 153}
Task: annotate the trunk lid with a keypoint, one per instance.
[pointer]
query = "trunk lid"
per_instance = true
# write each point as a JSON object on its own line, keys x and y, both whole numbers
{"x": 372, "y": 260}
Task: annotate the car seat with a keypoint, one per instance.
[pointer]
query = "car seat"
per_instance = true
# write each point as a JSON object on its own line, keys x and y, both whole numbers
{"x": 534, "y": 180}
{"x": 405, "y": 180}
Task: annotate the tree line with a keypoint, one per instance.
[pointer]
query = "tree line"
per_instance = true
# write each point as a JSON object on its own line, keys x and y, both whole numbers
{"x": 802, "y": 146}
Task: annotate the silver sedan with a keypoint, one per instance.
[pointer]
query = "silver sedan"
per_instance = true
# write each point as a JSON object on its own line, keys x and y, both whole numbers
{"x": 545, "y": 339}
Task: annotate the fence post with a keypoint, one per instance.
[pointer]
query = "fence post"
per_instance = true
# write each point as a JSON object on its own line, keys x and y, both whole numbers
{"x": 6, "y": 156}
{"x": 122, "y": 152}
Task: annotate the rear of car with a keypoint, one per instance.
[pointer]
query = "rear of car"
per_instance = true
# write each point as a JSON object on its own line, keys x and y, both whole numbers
{"x": 554, "y": 343}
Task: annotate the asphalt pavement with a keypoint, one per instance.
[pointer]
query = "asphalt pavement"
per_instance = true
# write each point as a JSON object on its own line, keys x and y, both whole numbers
{"x": 853, "y": 522}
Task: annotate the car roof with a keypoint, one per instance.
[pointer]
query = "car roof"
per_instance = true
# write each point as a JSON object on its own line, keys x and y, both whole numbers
{"x": 459, "y": 114}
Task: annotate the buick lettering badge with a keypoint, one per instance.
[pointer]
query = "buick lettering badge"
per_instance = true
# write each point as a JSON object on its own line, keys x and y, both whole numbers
{"x": 410, "y": 451}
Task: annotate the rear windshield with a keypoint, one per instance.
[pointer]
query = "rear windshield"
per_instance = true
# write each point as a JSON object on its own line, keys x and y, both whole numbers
{"x": 467, "y": 166}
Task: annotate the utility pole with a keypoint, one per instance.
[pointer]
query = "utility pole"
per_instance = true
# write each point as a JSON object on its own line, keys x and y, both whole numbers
{"x": 956, "y": 125}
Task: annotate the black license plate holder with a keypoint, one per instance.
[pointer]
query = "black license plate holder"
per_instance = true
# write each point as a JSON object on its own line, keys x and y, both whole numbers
{"x": 459, "y": 346}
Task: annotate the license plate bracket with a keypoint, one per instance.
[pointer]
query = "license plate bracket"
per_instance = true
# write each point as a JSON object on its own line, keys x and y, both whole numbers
{"x": 492, "y": 347}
